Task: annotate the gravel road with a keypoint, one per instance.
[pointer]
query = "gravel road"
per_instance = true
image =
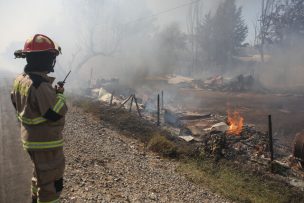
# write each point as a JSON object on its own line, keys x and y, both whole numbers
{"x": 105, "y": 166}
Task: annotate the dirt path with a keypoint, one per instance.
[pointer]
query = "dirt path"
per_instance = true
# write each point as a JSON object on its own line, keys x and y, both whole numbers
{"x": 105, "y": 166}
{"x": 15, "y": 168}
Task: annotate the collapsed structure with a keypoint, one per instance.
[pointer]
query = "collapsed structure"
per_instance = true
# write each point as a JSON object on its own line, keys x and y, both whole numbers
{"x": 217, "y": 136}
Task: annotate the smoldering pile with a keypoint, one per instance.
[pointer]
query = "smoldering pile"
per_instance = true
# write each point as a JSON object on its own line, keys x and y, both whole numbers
{"x": 220, "y": 136}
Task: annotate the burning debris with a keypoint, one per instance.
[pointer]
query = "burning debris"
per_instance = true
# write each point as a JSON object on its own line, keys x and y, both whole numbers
{"x": 222, "y": 137}
{"x": 177, "y": 119}
{"x": 219, "y": 127}
{"x": 104, "y": 96}
{"x": 235, "y": 122}
{"x": 216, "y": 80}
{"x": 299, "y": 148}
{"x": 230, "y": 138}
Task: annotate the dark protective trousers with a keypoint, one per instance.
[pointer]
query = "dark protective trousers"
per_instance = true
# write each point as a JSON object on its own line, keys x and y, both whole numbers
{"x": 47, "y": 181}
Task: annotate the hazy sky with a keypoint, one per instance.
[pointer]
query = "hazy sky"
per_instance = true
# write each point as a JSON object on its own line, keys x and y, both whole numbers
{"x": 21, "y": 19}
{"x": 251, "y": 10}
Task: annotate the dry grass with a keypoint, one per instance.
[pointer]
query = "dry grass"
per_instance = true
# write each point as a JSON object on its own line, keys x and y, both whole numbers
{"x": 163, "y": 146}
{"x": 237, "y": 184}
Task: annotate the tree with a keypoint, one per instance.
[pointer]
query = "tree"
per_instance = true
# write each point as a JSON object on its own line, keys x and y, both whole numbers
{"x": 264, "y": 25}
{"x": 207, "y": 39}
{"x": 282, "y": 31}
{"x": 286, "y": 23}
{"x": 99, "y": 33}
{"x": 222, "y": 34}
{"x": 105, "y": 29}
{"x": 172, "y": 44}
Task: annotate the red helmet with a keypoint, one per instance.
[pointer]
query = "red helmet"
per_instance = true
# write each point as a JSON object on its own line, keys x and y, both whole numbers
{"x": 41, "y": 43}
{"x": 36, "y": 44}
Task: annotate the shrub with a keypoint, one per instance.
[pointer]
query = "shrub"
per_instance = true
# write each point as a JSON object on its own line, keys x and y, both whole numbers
{"x": 162, "y": 145}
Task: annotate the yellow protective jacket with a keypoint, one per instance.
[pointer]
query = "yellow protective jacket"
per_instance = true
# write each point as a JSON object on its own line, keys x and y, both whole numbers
{"x": 40, "y": 110}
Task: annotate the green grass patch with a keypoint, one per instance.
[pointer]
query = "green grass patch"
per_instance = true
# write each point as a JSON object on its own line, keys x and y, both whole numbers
{"x": 237, "y": 185}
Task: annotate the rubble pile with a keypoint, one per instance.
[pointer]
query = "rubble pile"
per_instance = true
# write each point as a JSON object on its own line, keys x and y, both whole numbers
{"x": 215, "y": 135}
{"x": 250, "y": 145}
{"x": 240, "y": 83}
{"x": 229, "y": 138}
{"x": 178, "y": 119}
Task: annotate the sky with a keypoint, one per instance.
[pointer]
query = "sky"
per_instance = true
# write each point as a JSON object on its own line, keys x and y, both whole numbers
{"x": 21, "y": 19}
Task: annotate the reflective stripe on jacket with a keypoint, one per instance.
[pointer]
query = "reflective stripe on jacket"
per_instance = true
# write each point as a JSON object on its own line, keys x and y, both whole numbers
{"x": 40, "y": 110}
{"x": 35, "y": 121}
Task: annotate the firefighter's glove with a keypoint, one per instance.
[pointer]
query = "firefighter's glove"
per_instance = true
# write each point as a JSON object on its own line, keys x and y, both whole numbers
{"x": 59, "y": 89}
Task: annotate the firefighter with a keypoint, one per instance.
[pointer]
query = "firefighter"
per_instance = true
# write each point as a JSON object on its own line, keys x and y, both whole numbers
{"x": 41, "y": 109}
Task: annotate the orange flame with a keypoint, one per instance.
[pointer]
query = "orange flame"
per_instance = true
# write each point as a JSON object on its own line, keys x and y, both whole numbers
{"x": 235, "y": 122}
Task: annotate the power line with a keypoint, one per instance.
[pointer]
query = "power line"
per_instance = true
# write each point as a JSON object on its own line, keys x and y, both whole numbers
{"x": 162, "y": 12}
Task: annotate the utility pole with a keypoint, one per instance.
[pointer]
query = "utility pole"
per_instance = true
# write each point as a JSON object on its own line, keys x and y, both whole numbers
{"x": 262, "y": 27}
{"x": 270, "y": 137}
{"x": 90, "y": 81}
{"x": 193, "y": 22}
{"x": 158, "y": 111}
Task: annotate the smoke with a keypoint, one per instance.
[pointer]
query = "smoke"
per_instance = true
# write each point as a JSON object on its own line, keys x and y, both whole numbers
{"x": 116, "y": 38}
{"x": 285, "y": 69}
